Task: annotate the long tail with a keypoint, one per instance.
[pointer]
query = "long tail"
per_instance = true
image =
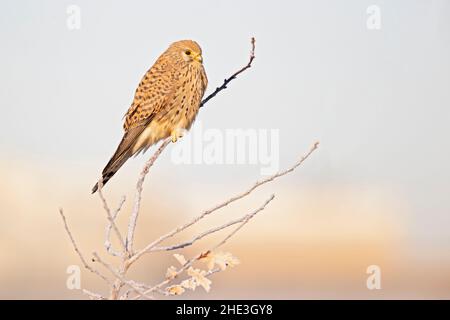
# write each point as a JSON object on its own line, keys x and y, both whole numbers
{"x": 112, "y": 167}
{"x": 122, "y": 154}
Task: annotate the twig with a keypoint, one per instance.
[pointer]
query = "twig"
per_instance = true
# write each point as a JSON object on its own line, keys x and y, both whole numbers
{"x": 92, "y": 295}
{"x": 108, "y": 244}
{"x": 243, "y": 220}
{"x": 246, "y": 220}
{"x": 75, "y": 247}
{"x": 120, "y": 277}
{"x": 137, "y": 201}
{"x": 109, "y": 216}
{"x": 228, "y": 80}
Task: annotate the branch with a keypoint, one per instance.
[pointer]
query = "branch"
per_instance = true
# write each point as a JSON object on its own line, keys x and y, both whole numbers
{"x": 243, "y": 220}
{"x": 108, "y": 245}
{"x": 120, "y": 277}
{"x": 80, "y": 255}
{"x": 110, "y": 217}
{"x": 226, "y": 81}
{"x": 92, "y": 295}
{"x": 138, "y": 197}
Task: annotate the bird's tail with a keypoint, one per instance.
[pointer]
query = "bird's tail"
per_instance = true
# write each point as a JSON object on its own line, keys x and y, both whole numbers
{"x": 122, "y": 154}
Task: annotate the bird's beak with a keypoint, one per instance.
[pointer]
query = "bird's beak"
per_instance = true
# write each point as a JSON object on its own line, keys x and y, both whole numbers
{"x": 199, "y": 58}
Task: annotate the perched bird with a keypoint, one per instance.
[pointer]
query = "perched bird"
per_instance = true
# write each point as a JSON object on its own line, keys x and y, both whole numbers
{"x": 165, "y": 104}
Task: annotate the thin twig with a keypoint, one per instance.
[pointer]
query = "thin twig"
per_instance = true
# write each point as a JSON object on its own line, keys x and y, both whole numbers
{"x": 120, "y": 277}
{"x": 138, "y": 197}
{"x": 228, "y": 80}
{"x": 80, "y": 255}
{"x": 246, "y": 220}
{"x": 92, "y": 295}
{"x": 108, "y": 244}
{"x": 243, "y": 220}
{"x": 109, "y": 216}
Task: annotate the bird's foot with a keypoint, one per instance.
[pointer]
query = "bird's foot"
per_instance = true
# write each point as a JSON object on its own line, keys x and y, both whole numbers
{"x": 176, "y": 134}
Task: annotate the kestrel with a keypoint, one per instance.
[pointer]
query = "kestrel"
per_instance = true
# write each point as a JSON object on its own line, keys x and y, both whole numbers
{"x": 165, "y": 104}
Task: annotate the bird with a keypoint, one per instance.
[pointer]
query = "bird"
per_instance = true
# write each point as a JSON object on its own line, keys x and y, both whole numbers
{"x": 165, "y": 104}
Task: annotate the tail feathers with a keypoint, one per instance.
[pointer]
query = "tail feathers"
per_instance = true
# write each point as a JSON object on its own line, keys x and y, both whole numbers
{"x": 122, "y": 154}
{"x": 112, "y": 167}
{"x": 105, "y": 179}
{"x": 125, "y": 150}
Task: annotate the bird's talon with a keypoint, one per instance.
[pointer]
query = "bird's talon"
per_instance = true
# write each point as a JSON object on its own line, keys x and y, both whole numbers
{"x": 176, "y": 134}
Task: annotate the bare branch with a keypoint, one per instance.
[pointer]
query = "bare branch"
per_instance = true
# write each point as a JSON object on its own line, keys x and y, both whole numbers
{"x": 75, "y": 247}
{"x": 108, "y": 245}
{"x": 109, "y": 216}
{"x": 139, "y": 187}
{"x": 92, "y": 295}
{"x": 120, "y": 277}
{"x": 228, "y": 80}
{"x": 243, "y": 220}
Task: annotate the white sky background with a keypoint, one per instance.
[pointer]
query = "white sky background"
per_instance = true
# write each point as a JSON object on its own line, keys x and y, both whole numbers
{"x": 378, "y": 101}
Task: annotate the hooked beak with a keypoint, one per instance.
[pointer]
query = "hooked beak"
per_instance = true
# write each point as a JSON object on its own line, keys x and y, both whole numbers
{"x": 199, "y": 58}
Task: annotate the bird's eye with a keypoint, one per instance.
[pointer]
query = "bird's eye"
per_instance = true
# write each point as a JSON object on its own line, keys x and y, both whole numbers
{"x": 188, "y": 52}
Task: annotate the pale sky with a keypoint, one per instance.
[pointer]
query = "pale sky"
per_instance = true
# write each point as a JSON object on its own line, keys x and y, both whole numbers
{"x": 378, "y": 100}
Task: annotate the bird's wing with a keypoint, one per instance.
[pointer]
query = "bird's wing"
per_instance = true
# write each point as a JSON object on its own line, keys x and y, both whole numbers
{"x": 151, "y": 95}
{"x": 150, "y": 98}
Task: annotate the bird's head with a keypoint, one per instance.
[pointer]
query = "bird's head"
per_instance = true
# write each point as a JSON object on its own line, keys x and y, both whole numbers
{"x": 188, "y": 50}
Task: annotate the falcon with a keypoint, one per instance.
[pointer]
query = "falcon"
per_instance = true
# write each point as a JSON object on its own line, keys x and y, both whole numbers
{"x": 165, "y": 103}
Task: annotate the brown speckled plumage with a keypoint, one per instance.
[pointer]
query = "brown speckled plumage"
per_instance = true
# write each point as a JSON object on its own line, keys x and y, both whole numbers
{"x": 165, "y": 103}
